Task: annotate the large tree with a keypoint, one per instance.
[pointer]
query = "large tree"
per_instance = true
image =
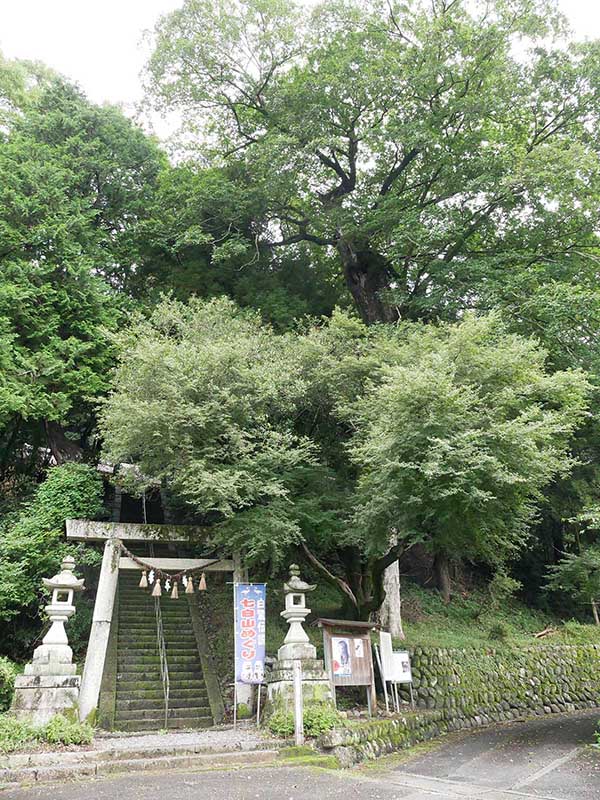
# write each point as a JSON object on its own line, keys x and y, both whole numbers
{"x": 446, "y": 151}
{"x": 74, "y": 182}
{"x": 349, "y": 442}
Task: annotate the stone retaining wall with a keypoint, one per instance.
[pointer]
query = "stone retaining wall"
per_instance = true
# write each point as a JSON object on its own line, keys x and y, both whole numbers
{"x": 504, "y": 683}
{"x": 470, "y": 688}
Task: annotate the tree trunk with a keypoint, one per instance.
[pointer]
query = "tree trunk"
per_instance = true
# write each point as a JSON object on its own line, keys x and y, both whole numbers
{"x": 391, "y": 610}
{"x": 367, "y": 277}
{"x": 62, "y": 448}
{"x": 441, "y": 568}
{"x": 595, "y": 612}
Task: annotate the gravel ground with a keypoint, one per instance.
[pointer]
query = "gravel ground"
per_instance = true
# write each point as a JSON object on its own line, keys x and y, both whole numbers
{"x": 245, "y": 737}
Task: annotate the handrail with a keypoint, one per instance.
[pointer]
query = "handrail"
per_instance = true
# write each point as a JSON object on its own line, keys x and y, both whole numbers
{"x": 162, "y": 650}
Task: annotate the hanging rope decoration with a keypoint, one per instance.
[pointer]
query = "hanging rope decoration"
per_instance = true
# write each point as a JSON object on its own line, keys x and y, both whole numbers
{"x": 154, "y": 575}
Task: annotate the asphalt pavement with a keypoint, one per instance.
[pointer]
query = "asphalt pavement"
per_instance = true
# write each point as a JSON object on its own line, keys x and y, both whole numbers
{"x": 542, "y": 759}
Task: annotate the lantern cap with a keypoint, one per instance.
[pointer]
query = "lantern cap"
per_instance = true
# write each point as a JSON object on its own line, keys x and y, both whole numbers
{"x": 295, "y": 583}
{"x": 65, "y": 579}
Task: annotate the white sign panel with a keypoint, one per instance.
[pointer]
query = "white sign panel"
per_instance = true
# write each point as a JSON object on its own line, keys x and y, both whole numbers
{"x": 402, "y": 671}
{"x": 395, "y": 664}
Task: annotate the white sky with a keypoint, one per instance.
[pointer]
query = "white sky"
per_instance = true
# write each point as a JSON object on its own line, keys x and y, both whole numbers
{"x": 98, "y": 43}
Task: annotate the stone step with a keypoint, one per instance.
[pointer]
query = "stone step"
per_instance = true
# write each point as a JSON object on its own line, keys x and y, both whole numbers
{"x": 176, "y": 658}
{"x": 199, "y": 712}
{"x": 198, "y": 701}
{"x": 157, "y": 694}
{"x": 157, "y": 724}
{"x": 136, "y": 669}
{"x": 128, "y": 612}
{"x": 135, "y": 684}
{"x": 141, "y": 635}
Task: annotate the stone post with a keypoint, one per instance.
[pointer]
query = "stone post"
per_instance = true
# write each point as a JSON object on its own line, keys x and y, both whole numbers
{"x": 99, "y": 633}
{"x": 49, "y": 684}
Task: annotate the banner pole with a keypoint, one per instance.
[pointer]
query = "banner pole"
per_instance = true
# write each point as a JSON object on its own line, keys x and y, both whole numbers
{"x": 235, "y": 664}
{"x": 234, "y": 705}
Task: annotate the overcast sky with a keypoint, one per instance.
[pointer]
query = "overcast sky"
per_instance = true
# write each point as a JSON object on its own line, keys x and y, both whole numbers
{"x": 98, "y": 43}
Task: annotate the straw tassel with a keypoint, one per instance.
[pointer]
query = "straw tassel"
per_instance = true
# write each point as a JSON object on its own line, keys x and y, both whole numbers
{"x": 202, "y": 583}
{"x": 144, "y": 580}
{"x": 189, "y": 586}
{"x": 157, "y": 591}
{"x": 175, "y": 592}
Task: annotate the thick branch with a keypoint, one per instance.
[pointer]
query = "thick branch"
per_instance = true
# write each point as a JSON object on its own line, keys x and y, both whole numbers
{"x": 340, "y": 584}
{"x": 398, "y": 170}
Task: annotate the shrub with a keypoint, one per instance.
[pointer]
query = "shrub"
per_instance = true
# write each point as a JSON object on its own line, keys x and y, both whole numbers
{"x": 281, "y": 723}
{"x": 499, "y": 632}
{"x": 8, "y": 672}
{"x": 317, "y": 720}
{"x": 14, "y": 733}
{"x": 61, "y": 730}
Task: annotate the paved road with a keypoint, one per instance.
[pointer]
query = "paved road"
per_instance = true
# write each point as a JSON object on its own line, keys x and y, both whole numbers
{"x": 544, "y": 759}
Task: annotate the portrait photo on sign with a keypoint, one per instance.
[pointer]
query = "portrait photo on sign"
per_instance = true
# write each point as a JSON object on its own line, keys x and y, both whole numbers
{"x": 340, "y": 657}
{"x": 359, "y": 648}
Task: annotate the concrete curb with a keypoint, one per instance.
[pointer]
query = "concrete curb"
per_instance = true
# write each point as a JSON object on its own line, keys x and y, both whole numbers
{"x": 47, "y": 767}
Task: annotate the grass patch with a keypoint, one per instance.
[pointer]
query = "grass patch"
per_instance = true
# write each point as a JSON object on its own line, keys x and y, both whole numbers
{"x": 470, "y": 620}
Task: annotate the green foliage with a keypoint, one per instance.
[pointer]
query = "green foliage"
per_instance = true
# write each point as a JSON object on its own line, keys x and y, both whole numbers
{"x": 578, "y": 575}
{"x": 444, "y": 171}
{"x": 17, "y": 735}
{"x": 62, "y": 730}
{"x": 74, "y": 181}
{"x": 318, "y": 719}
{"x": 444, "y": 435}
{"x": 499, "y": 632}
{"x": 199, "y": 240}
{"x": 501, "y": 588}
{"x": 8, "y": 673}
{"x": 281, "y": 723}
{"x": 468, "y": 620}
{"x": 204, "y": 403}
{"x": 243, "y": 711}
{"x": 32, "y": 545}
{"x": 575, "y": 632}
{"x": 457, "y": 442}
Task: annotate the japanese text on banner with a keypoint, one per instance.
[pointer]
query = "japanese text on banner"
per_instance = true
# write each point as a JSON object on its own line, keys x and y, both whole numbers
{"x": 250, "y": 628}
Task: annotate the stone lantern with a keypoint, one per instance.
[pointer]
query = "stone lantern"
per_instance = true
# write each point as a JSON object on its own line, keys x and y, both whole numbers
{"x": 296, "y": 644}
{"x": 49, "y": 684}
{"x": 297, "y": 648}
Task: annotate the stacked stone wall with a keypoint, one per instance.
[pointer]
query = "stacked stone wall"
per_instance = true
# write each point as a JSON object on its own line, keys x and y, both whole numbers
{"x": 470, "y": 688}
{"x": 505, "y": 683}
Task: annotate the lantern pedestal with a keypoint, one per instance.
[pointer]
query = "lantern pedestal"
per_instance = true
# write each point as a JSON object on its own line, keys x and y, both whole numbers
{"x": 49, "y": 685}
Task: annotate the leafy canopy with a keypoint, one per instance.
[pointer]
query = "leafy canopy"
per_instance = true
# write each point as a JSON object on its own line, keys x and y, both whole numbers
{"x": 443, "y": 169}
{"x": 460, "y": 437}
{"x": 74, "y": 179}
{"x": 343, "y": 435}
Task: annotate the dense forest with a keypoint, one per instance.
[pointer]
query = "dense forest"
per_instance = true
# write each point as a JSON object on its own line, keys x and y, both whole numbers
{"x": 350, "y": 316}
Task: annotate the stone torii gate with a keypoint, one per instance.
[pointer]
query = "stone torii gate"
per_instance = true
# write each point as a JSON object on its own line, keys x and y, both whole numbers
{"x": 112, "y": 533}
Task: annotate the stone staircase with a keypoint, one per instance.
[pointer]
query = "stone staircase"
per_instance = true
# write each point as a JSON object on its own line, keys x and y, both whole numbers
{"x": 139, "y": 690}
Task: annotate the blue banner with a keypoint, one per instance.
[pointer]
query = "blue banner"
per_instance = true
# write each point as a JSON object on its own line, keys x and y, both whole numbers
{"x": 250, "y": 626}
